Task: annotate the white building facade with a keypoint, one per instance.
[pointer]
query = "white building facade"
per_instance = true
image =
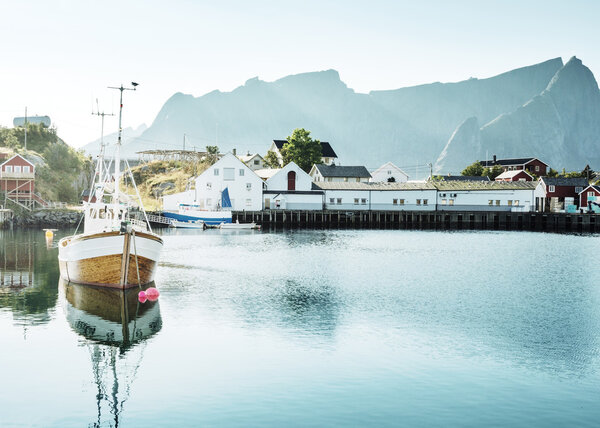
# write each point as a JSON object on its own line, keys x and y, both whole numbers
{"x": 486, "y": 196}
{"x": 389, "y": 172}
{"x": 292, "y": 189}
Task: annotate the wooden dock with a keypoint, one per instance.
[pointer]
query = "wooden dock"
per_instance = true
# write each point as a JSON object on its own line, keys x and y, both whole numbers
{"x": 443, "y": 220}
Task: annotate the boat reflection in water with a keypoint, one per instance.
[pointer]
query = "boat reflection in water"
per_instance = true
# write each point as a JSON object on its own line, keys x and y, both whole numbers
{"x": 116, "y": 326}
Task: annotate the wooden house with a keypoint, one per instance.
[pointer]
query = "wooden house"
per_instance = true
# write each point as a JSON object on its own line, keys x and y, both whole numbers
{"x": 533, "y": 165}
{"x": 17, "y": 182}
{"x": 589, "y": 197}
{"x": 328, "y": 156}
{"x": 557, "y": 193}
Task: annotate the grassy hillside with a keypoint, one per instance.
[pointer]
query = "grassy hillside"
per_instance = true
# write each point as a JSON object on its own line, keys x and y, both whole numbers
{"x": 159, "y": 178}
{"x": 61, "y": 171}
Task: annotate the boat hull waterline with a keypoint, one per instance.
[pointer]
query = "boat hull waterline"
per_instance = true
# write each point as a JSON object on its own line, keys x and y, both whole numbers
{"x": 107, "y": 259}
{"x": 211, "y": 218}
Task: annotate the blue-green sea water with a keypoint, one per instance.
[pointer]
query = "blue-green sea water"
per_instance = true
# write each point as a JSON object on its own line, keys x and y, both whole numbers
{"x": 313, "y": 328}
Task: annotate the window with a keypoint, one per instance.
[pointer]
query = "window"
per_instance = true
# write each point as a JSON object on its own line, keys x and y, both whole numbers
{"x": 418, "y": 202}
{"x": 577, "y": 189}
{"x": 395, "y": 202}
{"x": 551, "y": 188}
{"x": 228, "y": 174}
{"x": 26, "y": 169}
{"x": 332, "y": 200}
{"x": 355, "y": 201}
{"x": 256, "y": 162}
{"x": 590, "y": 194}
{"x": 516, "y": 202}
{"x": 363, "y": 201}
{"x": 209, "y": 186}
{"x": 241, "y": 172}
{"x": 248, "y": 202}
{"x": 8, "y": 168}
{"x": 339, "y": 201}
{"x": 497, "y": 202}
{"x": 17, "y": 168}
{"x": 389, "y": 172}
{"x": 444, "y": 201}
{"x": 424, "y": 201}
{"x": 248, "y": 186}
{"x": 216, "y": 171}
{"x": 537, "y": 168}
{"x": 509, "y": 203}
{"x": 490, "y": 202}
{"x": 450, "y": 201}
{"x": 401, "y": 201}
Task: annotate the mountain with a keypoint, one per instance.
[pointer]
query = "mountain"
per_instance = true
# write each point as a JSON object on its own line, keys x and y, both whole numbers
{"x": 451, "y": 122}
{"x": 560, "y": 125}
{"x": 129, "y": 134}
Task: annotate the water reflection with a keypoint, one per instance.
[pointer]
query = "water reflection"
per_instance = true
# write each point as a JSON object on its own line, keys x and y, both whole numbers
{"x": 28, "y": 275}
{"x": 115, "y": 326}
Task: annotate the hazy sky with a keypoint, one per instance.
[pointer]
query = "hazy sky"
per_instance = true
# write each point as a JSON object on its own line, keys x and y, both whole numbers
{"x": 59, "y": 56}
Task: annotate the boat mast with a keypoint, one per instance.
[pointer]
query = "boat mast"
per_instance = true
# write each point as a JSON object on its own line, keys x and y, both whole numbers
{"x": 101, "y": 155}
{"x": 118, "y": 152}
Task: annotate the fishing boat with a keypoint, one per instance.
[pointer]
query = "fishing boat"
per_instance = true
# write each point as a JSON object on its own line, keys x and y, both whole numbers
{"x": 194, "y": 212}
{"x": 190, "y": 224}
{"x": 117, "y": 247}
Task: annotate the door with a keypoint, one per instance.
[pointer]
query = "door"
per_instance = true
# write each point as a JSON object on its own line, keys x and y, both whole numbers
{"x": 292, "y": 180}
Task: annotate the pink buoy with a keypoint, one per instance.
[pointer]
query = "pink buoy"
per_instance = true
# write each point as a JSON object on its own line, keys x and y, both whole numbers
{"x": 152, "y": 294}
{"x": 142, "y": 296}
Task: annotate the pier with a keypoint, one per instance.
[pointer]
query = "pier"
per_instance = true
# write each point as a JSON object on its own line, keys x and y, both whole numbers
{"x": 442, "y": 220}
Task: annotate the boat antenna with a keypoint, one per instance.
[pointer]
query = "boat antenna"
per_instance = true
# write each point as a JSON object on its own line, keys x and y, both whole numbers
{"x": 118, "y": 152}
{"x": 101, "y": 155}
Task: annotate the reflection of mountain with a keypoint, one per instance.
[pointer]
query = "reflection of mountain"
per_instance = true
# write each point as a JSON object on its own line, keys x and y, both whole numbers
{"x": 114, "y": 323}
{"x": 28, "y": 274}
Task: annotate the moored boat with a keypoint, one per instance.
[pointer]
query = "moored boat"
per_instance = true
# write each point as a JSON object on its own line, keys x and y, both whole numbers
{"x": 115, "y": 249}
{"x": 239, "y": 226}
{"x": 193, "y": 212}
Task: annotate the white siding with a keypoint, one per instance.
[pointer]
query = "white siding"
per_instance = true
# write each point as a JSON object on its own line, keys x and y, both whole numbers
{"x": 245, "y": 191}
{"x": 279, "y": 181}
{"x": 479, "y": 200}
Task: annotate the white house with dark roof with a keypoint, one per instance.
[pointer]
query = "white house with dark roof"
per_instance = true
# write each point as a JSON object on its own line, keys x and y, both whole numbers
{"x": 338, "y": 173}
{"x": 388, "y": 172}
{"x": 328, "y": 156}
{"x": 514, "y": 175}
{"x": 292, "y": 189}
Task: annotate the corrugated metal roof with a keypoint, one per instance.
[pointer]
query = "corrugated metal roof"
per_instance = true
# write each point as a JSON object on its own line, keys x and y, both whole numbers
{"x": 486, "y": 185}
{"x": 339, "y": 185}
{"x": 506, "y": 162}
{"x": 464, "y": 178}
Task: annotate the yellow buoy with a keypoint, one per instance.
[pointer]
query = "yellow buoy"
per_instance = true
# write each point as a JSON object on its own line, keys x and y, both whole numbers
{"x": 49, "y": 234}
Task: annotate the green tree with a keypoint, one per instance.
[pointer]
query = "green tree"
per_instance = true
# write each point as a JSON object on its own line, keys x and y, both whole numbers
{"x": 301, "y": 149}
{"x": 552, "y": 173}
{"x": 475, "y": 169}
{"x": 213, "y": 154}
{"x": 492, "y": 172}
{"x": 271, "y": 160}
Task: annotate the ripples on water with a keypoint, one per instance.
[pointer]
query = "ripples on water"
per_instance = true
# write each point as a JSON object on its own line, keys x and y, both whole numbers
{"x": 351, "y": 327}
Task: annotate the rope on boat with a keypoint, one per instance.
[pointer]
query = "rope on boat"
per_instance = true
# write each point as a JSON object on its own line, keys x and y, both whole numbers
{"x": 137, "y": 265}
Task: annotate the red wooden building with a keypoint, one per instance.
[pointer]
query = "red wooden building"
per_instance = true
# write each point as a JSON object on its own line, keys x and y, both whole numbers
{"x": 589, "y": 191}
{"x": 552, "y": 193}
{"x": 531, "y": 165}
{"x": 17, "y": 182}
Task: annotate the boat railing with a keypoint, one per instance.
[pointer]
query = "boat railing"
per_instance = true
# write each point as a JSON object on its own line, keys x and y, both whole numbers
{"x": 139, "y": 224}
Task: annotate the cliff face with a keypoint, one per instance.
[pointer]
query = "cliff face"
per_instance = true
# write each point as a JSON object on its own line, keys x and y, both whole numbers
{"x": 519, "y": 111}
{"x": 561, "y": 126}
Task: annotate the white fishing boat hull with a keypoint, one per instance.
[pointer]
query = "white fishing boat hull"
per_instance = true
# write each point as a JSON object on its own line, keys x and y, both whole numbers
{"x": 110, "y": 259}
{"x": 239, "y": 226}
{"x": 196, "y": 224}
{"x": 211, "y": 218}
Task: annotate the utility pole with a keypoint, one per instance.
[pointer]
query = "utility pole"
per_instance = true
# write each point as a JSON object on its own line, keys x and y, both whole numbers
{"x": 430, "y": 171}
{"x": 184, "y": 142}
{"x": 118, "y": 153}
{"x": 25, "y": 128}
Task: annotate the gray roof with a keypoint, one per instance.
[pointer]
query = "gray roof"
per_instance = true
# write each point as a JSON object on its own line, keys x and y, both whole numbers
{"x": 343, "y": 171}
{"x": 326, "y": 149}
{"x": 342, "y": 185}
{"x": 485, "y": 185}
{"x": 506, "y": 162}
{"x": 563, "y": 181}
{"x": 465, "y": 178}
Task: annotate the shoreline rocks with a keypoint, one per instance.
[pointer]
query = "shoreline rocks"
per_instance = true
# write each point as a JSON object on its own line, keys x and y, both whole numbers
{"x": 44, "y": 218}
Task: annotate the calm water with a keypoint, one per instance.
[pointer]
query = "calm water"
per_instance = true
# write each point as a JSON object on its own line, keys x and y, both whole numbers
{"x": 311, "y": 328}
